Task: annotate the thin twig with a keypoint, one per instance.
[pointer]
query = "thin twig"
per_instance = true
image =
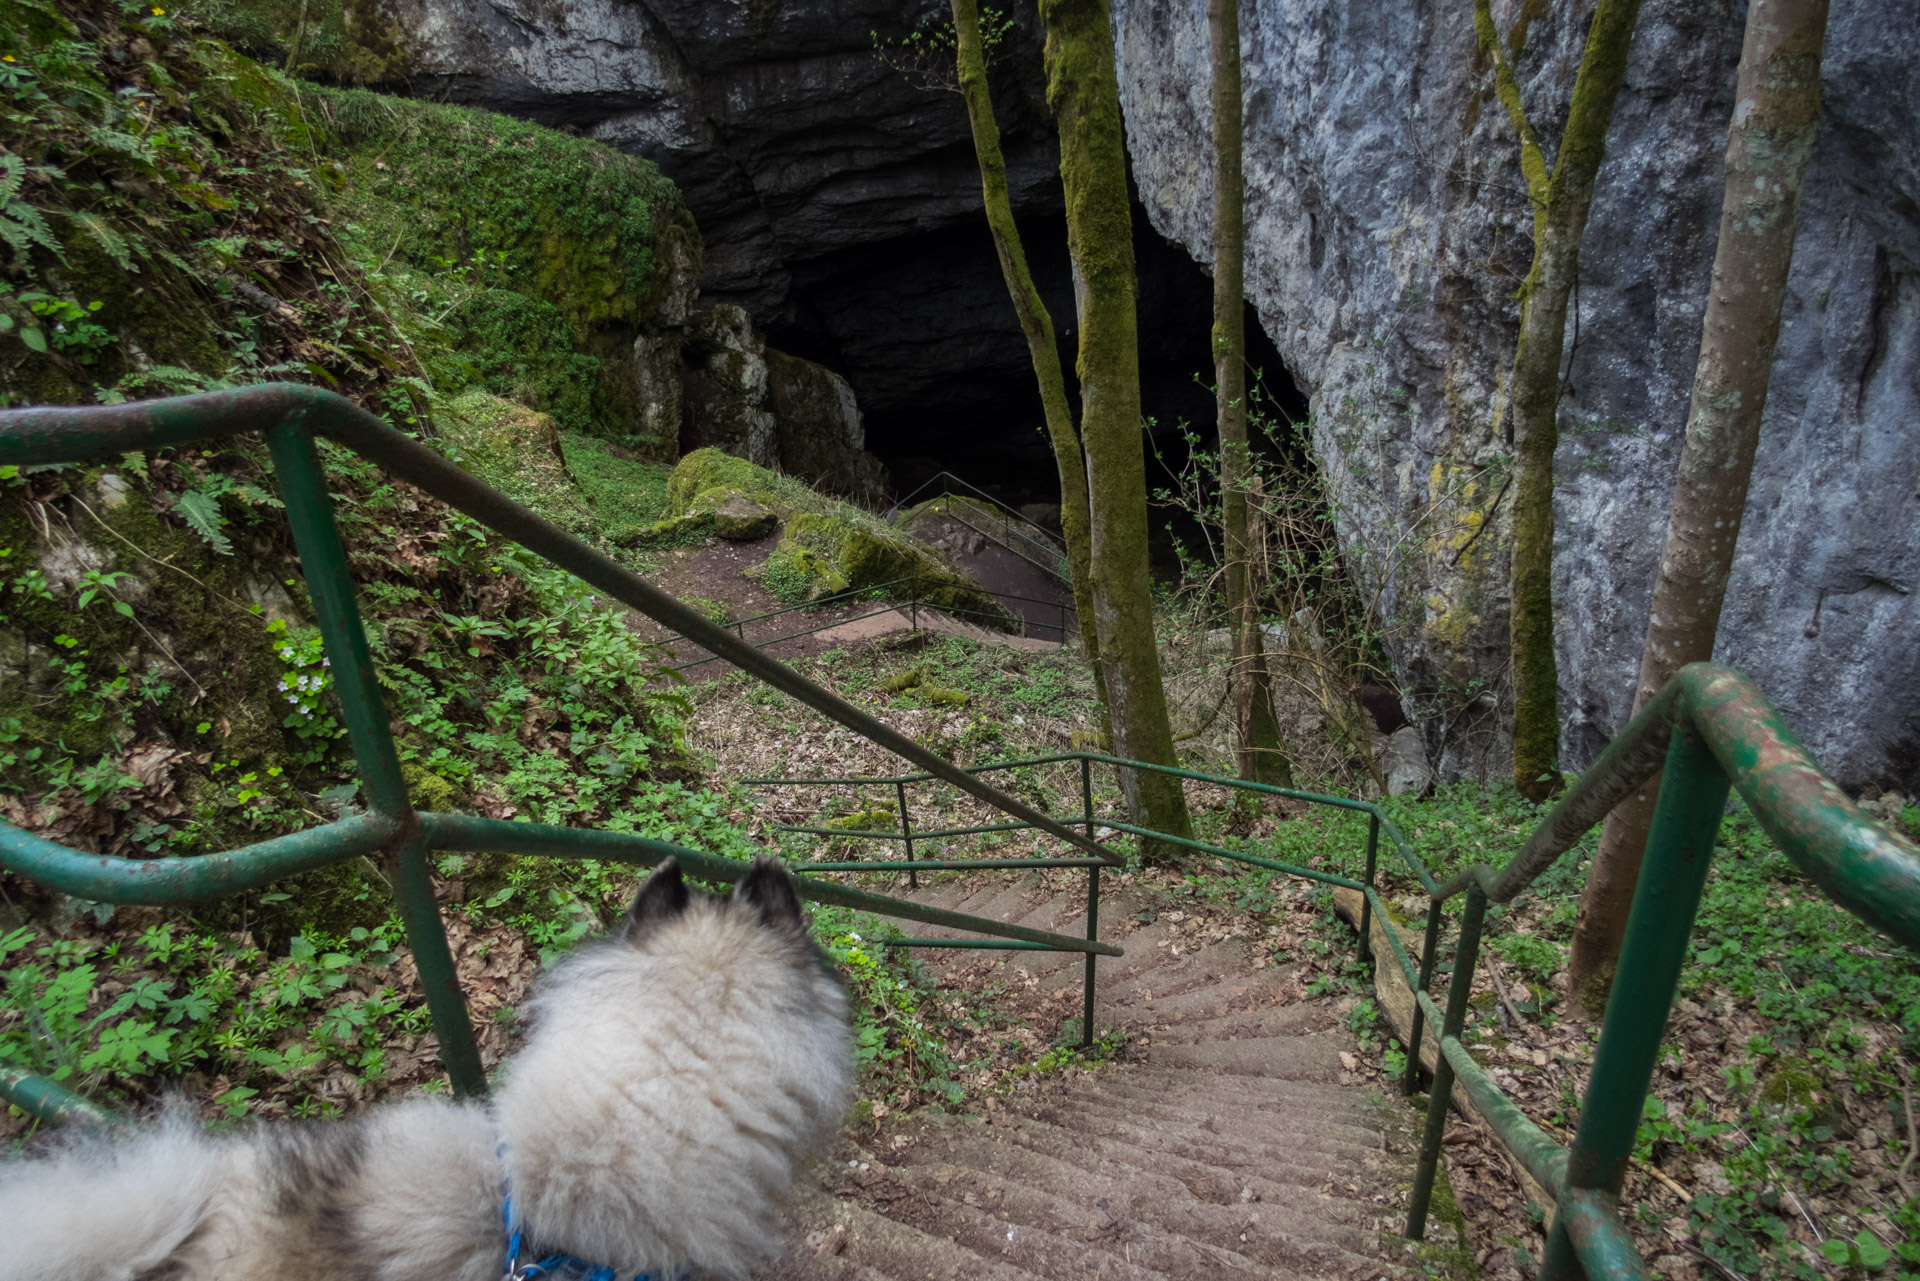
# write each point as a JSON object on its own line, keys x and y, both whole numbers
{"x": 1500, "y": 990}
{"x": 1646, "y": 1167}
{"x": 1725, "y": 1271}
{"x": 1913, "y": 1133}
{"x": 1484, "y": 520}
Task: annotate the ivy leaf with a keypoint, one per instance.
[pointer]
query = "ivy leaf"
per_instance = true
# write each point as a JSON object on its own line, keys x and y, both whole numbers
{"x": 201, "y": 511}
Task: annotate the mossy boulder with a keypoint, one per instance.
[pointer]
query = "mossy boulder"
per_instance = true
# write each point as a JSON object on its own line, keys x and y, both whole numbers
{"x": 862, "y": 557}
{"x": 710, "y": 469}
{"x": 517, "y": 451}
{"x": 529, "y": 259}
{"x": 739, "y": 519}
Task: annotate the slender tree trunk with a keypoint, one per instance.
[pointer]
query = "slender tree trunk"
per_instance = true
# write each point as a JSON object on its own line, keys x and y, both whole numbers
{"x": 1560, "y": 200}
{"x": 1036, "y": 323}
{"x": 1256, "y": 733}
{"x": 1085, "y": 100}
{"x": 1776, "y": 116}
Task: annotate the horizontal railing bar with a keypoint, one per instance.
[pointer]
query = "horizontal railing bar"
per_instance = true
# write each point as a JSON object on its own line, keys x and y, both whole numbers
{"x": 173, "y": 882}
{"x": 1400, "y": 843}
{"x": 1545, "y": 1160}
{"x": 901, "y": 836}
{"x": 49, "y": 1100}
{"x": 492, "y": 835}
{"x": 1011, "y": 945}
{"x": 949, "y": 865}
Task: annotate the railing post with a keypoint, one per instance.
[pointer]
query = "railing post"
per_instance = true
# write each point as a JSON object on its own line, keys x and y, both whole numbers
{"x": 906, "y": 830}
{"x": 1086, "y": 793}
{"x": 1441, "y": 1098}
{"x": 1366, "y": 898}
{"x": 1410, "y": 1082}
{"x": 1093, "y": 936}
{"x": 427, "y": 937}
{"x": 1686, "y": 818}
{"x": 323, "y": 559}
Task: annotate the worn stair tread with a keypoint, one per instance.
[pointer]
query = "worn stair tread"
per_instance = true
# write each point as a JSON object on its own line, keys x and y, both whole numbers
{"x": 1312, "y": 1058}
{"x": 1133, "y": 1245}
{"x": 1235, "y": 1142}
{"x": 1233, "y": 1025}
{"x": 899, "y": 1250}
{"x": 1102, "y": 1156}
{"x": 1163, "y": 1193}
{"x": 1258, "y": 1092}
{"x": 1272, "y": 1133}
{"x": 1255, "y": 989}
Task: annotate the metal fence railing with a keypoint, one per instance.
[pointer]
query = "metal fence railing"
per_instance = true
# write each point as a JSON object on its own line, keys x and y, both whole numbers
{"x": 1709, "y": 731}
{"x": 290, "y": 417}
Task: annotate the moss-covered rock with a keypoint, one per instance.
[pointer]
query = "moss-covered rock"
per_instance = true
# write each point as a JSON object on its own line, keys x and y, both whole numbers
{"x": 739, "y": 519}
{"x": 517, "y": 451}
{"x": 349, "y": 41}
{"x": 532, "y": 260}
{"x": 711, "y": 469}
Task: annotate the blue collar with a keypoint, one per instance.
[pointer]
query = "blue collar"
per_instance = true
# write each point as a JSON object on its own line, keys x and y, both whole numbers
{"x": 556, "y": 1267}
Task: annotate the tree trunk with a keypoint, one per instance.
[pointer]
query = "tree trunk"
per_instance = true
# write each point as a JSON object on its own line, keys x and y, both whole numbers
{"x": 1256, "y": 733}
{"x": 1776, "y": 116}
{"x": 1560, "y": 204}
{"x": 1085, "y": 100}
{"x": 1036, "y": 323}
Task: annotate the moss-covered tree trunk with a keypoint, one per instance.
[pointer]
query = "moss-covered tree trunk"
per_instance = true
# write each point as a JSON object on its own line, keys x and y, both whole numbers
{"x": 1560, "y": 198}
{"x": 1035, "y": 322}
{"x": 1256, "y": 733}
{"x": 1085, "y": 100}
{"x": 1776, "y": 116}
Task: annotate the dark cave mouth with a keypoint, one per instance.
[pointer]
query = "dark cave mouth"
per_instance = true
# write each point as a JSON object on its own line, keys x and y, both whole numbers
{"x": 922, "y": 329}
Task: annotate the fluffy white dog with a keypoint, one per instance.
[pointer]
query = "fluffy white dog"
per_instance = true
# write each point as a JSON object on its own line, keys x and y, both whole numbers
{"x": 676, "y": 1073}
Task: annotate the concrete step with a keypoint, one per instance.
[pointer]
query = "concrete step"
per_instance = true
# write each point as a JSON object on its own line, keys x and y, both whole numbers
{"x": 1178, "y": 1197}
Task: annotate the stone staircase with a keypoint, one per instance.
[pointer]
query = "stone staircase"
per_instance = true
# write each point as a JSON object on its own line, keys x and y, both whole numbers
{"x": 1232, "y": 1141}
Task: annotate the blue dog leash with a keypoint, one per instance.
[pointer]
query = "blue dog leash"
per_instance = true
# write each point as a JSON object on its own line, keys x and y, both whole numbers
{"x": 556, "y": 1267}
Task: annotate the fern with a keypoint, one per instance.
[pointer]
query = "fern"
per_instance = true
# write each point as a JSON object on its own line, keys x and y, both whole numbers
{"x": 21, "y": 225}
{"x": 201, "y": 511}
{"x": 110, "y": 240}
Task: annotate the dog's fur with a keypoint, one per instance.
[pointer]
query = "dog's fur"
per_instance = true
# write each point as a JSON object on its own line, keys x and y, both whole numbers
{"x": 676, "y": 1073}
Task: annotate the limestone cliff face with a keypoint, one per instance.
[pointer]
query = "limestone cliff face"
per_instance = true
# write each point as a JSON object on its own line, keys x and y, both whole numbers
{"x": 788, "y": 136}
{"x": 1386, "y": 235}
{"x": 1386, "y": 232}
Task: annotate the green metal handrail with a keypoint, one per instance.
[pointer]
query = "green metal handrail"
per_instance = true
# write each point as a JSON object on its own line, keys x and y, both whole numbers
{"x": 291, "y": 416}
{"x": 1709, "y": 731}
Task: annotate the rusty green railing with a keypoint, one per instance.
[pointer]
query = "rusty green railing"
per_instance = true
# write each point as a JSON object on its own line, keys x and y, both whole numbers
{"x": 291, "y": 416}
{"x": 1710, "y": 730}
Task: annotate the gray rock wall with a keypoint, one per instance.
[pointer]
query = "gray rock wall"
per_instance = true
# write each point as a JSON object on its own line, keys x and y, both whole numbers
{"x": 1386, "y": 233}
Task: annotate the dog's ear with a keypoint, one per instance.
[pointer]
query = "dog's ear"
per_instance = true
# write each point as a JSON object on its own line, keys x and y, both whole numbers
{"x": 768, "y": 889}
{"x": 662, "y": 898}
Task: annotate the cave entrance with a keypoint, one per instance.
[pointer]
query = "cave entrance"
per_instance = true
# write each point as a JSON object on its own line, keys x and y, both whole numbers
{"x": 922, "y": 329}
